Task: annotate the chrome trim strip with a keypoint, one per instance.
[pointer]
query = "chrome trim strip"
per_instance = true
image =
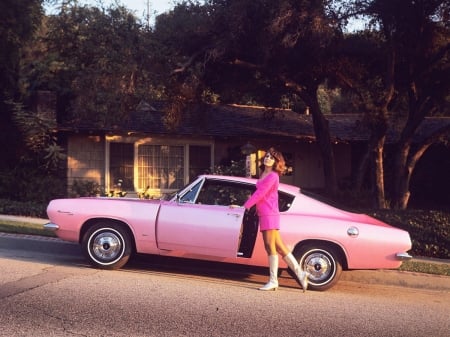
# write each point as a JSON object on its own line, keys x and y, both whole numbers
{"x": 403, "y": 256}
{"x": 51, "y": 226}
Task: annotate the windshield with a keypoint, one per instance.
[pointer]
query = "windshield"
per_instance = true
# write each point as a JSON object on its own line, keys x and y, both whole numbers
{"x": 187, "y": 197}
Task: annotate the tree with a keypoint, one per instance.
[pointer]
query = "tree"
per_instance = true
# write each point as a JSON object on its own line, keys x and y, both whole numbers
{"x": 19, "y": 20}
{"x": 422, "y": 42}
{"x": 411, "y": 42}
{"x": 100, "y": 63}
{"x": 257, "y": 51}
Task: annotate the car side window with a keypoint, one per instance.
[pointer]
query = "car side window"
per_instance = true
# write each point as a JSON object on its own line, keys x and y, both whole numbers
{"x": 284, "y": 201}
{"x": 224, "y": 193}
{"x": 190, "y": 195}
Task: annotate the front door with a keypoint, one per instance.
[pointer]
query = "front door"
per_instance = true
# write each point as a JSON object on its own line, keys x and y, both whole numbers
{"x": 211, "y": 230}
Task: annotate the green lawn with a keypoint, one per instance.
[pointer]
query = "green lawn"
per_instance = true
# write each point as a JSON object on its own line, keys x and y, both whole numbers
{"x": 7, "y": 226}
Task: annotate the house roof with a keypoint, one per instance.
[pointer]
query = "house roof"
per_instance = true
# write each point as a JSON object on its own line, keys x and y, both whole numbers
{"x": 229, "y": 121}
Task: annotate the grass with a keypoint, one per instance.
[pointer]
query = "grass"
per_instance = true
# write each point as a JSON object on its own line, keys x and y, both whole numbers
{"x": 19, "y": 227}
{"x": 434, "y": 268}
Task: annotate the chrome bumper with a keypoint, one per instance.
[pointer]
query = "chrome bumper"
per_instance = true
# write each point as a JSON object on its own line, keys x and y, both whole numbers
{"x": 51, "y": 226}
{"x": 403, "y": 256}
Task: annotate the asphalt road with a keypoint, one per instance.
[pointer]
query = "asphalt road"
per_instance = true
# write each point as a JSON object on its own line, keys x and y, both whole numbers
{"x": 46, "y": 289}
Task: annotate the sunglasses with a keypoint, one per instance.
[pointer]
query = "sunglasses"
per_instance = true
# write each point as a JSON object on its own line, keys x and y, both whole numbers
{"x": 268, "y": 155}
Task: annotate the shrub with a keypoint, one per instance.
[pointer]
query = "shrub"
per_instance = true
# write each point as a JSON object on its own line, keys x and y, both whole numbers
{"x": 234, "y": 168}
{"x": 31, "y": 185}
{"x": 429, "y": 229}
{"x": 23, "y": 208}
{"x": 85, "y": 188}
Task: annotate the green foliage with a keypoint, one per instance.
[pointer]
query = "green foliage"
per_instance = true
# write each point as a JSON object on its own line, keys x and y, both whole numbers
{"x": 23, "y": 208}
{"x": 19, "y": 19}
{"x": 435, "y": 268}
{"x": 398, "y": 69}
{"x": 39, "y": 138}
{"x": 30, "y": 184}
{"x": 24, "y": 228}
{"x": 85, "y": 188}
{"x": 235, "y": 168}
{"x": 429, "y": 230}
{"x": 90, "y": 188}
{"x": 100, "y": 61}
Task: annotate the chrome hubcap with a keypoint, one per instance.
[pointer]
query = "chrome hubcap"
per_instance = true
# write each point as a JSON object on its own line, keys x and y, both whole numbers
{"x": 319, "y": 266}
{"x": 106, "y": 246}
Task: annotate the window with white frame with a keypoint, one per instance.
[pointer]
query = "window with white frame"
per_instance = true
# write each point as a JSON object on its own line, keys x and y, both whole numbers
{"x": 156, "y": 168}
{"x": 160, "y": 167}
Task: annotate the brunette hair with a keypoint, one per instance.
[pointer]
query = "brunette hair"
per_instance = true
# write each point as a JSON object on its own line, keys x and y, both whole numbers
{"x": 280, "y": 165}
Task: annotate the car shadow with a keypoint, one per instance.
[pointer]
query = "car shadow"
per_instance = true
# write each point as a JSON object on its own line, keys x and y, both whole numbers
{"x": 209, "y": 269}
{"x": 57, "y": 252}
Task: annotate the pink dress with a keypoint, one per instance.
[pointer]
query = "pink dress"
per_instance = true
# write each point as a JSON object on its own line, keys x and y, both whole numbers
{"x": 266, "y": 200}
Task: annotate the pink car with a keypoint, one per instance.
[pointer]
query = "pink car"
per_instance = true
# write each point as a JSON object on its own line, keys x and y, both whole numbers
{"x": 198, "y": 222}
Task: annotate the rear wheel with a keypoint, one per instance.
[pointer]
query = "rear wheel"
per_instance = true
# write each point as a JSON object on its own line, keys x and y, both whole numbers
{"x": 323, "y": 263}
{"x": 107, "y": 245}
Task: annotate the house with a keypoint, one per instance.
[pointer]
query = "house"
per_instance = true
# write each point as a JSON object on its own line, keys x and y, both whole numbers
{"x": 142, "y": 154}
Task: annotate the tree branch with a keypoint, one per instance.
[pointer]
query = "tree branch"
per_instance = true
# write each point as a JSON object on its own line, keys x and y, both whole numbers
{"x": 182, "y": 67}
{"x": 433, "y": 138}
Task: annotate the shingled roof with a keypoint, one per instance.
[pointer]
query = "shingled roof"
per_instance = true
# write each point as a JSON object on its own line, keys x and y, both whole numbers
{"x": 228, "y": 121}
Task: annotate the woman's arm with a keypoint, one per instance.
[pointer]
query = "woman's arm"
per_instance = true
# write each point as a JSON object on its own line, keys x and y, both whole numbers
{"x": 264, "y": 187}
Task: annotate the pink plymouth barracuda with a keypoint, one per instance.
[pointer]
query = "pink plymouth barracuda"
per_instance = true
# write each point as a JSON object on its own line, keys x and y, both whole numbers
{"x": 197, "y": 222}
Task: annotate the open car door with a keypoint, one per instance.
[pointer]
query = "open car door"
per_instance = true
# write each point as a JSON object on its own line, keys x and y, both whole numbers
{"x": 211, "y": 230}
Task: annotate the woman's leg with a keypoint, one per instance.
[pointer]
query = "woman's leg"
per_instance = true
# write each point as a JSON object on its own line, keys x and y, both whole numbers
{"x": 273, "y": 243}
{"x": 290, "y": 260}
{"x": 270, "y": 245}
{"x": 270, "y": 241}
{"x": 279, "y": 244}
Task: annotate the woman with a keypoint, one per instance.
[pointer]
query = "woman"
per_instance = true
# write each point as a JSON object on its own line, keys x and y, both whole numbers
{"x": 266, "y": 200}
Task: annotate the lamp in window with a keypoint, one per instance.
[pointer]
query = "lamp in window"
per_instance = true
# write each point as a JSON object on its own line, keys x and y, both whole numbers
{"x": 247, "y": 150}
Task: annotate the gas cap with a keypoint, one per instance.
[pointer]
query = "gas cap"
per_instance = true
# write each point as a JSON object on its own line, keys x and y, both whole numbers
{"x": 353, "y": 232}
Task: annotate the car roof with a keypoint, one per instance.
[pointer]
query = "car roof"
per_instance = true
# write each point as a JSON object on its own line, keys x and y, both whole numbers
{"x": 282, "y": 187}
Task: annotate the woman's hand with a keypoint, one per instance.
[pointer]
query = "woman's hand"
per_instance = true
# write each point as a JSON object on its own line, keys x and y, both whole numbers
{"x": 235, "y": 206}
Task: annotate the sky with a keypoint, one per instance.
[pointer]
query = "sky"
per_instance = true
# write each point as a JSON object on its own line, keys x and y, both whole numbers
{"x": 155, "y": 7}
{"x": 140, "y": 7}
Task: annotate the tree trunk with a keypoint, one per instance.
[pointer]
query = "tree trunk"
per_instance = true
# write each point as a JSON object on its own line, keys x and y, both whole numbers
{"x": 378, "y": 172}
{"x": 405, "y": 164}
{"x": 378, "y": 132}
{"x": 380, "y": 198}
{"x": 322, "y": 132}
{"x": 362, "y": 171}
{"x": 402, "y": 176}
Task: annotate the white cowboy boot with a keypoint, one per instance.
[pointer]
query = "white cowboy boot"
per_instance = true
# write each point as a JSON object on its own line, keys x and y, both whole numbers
{"x": 295, "y": 267}
{"x": 273, "y": 270}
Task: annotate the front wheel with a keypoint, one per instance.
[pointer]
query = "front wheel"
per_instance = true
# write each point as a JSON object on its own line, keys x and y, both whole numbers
{"x": 107, "y": 245}
{"x": 323, "y": 263}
